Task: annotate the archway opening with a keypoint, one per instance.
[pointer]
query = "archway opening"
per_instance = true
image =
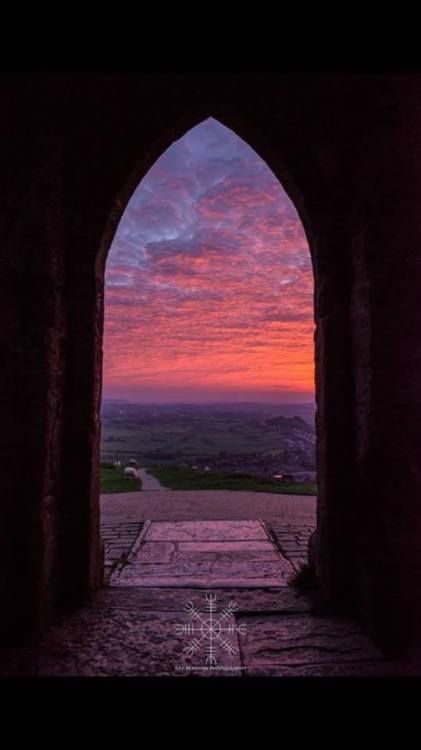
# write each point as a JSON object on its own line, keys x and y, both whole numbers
{"x": 208, "y": 380}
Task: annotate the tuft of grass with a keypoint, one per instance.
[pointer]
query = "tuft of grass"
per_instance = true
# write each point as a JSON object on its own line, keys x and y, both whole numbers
{"x": 113, "y": 480}
{"x": 304, "y": 579}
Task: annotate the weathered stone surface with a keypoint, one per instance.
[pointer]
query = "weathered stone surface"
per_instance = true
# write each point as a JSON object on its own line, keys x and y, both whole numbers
{"x": 283, "y": 599}
{"x": 159, "y": 552}
{"x": 217, "y": 551}
{"x": 292, "y": 541}
{"x": 194, "y": 531}
{"x": 250, "y": 560}
{"x": 240, "y": 550}
{"x": 119, "y": 539}
{"x": 291, "y": 640}
{"x": 117, "y": 637}
{"x": 132, "y": 632}
{"x": 223, "y": 580}
{"x": 364, "y": 229}
{"x": 213, "y": 576}
{"x": 205, "y": 574}
{"x": 125, "y": 643}
{"x": 209, "y": 505}
{"x": 207, "y": 568}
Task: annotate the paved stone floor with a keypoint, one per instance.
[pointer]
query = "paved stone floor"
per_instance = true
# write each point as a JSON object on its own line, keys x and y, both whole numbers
{"x": 291, "y": 540}
{"x": 179, "y": 505}
{"x": 206, "y": 554}
{"x": 204, "y": 597}
{"x": 119, "y": 539}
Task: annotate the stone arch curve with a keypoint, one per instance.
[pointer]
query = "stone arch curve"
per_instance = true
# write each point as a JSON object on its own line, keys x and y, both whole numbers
{"x": 346, "y": 149}
{"x": 244, "y": 129}
{"x": 283, "y": 157}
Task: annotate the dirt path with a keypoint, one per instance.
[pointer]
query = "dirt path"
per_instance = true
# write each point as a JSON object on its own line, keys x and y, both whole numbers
{"x": 149, "y": 482}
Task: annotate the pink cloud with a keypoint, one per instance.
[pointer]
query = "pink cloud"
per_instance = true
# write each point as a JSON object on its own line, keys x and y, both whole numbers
{"x": 214, "y": 289}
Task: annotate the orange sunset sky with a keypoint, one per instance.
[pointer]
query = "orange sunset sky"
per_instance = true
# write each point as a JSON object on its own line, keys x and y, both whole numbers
{"x": 209, "y": 285}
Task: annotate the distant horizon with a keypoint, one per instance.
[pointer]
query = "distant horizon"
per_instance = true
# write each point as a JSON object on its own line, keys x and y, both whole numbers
{"x": 210, "y": 402}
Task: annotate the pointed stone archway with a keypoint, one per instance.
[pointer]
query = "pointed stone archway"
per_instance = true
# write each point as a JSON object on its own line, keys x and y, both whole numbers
{"x": 346, "y": 149}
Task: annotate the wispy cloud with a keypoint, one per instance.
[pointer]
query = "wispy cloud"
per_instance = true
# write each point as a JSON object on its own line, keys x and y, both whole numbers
{"x": 209, "y": 287}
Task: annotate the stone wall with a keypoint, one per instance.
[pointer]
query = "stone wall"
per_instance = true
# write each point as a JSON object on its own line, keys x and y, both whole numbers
{"x": 348, "y": 151}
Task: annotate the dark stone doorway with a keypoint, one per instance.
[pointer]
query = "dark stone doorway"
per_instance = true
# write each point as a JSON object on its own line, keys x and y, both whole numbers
{"x": 347, "y": 150}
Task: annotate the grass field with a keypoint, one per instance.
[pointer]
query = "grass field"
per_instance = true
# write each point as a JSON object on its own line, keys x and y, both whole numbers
{"x": 113, "y": 480}
{"x": 177, "y": 478}
{"x": 158, "y": 434}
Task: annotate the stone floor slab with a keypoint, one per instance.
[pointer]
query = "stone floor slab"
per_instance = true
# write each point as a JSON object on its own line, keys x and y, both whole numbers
{"x": 283, "y": 599}
{"x": 114, "y": 637}
{"x": 156, "y": 552}
{"x": 207, "y": 573}
{"x": 291, "y": 640}
{"x": 194, "y": 531}
{"x": 243, "y": 550}
{"x": 200, "y": 582}
{"x": 190, "y": 552}
{"x": 222, "y": 553}
{"x": 122, "y": 642}
{"x": 208, "y": 568}
{"x": 119, "y": 540}
{"x": 139, "y": 626}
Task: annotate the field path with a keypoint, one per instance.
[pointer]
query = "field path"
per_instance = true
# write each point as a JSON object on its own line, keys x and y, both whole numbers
{"x": 149, "y": 482}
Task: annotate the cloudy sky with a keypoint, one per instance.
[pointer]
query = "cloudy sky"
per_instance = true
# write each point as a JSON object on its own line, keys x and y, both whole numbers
{"x": 209, "y": 287}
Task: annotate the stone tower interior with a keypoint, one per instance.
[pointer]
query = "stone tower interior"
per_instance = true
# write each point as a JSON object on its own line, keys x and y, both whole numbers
{"x": 347, "y": 149}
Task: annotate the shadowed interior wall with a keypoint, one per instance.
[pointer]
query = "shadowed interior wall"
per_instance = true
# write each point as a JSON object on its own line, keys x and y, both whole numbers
{"x": 347, "y": 149}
